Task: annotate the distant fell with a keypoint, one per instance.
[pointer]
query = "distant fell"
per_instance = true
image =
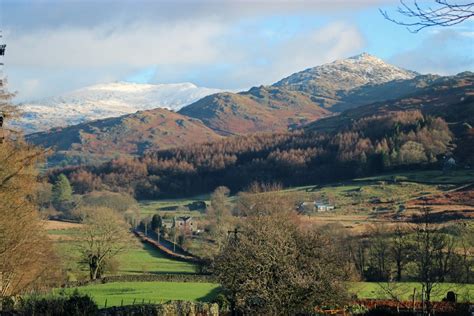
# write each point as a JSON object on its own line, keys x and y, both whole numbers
{"x": 132, "y": 134}
{"x": 260, "y": 109}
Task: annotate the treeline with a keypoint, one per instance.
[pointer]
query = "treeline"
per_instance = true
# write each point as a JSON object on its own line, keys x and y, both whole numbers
{"x": 364, "y": 146}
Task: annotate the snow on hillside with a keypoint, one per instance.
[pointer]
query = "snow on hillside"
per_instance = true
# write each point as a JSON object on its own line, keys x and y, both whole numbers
{"x": 349, "y": 73}
{"x": 106, "y": 100}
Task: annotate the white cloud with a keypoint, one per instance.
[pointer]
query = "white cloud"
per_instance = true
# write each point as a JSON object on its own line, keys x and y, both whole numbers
{"x": 440, "y": 53}
{"x": 308, "y": 49}
{"x": 67, "y": 58}
{"x": 135, "y": 45}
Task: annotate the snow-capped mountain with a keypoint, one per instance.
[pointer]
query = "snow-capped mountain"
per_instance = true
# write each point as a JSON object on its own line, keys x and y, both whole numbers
{"x": 346, "y": 74}
{"x": 106, "y": 100}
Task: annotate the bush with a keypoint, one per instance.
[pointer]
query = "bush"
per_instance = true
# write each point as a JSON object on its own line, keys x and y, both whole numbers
{"x": 75, "y": 304}
{"x": 223, "y": 302}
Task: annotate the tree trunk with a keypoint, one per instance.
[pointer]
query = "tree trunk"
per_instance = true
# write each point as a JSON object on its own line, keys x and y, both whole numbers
{"x": 399, "y": 271}
{"x": 93, "y": 266}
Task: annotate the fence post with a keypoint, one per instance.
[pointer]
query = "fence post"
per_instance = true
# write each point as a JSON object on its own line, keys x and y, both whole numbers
{"x": 105, "y": 306}
{"x": 121, "y": 304}
{"x": 134, "y": 301}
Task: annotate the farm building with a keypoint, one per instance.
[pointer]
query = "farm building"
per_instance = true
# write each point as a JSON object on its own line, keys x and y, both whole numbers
{"x": 185, "y": 224}
{"x": 323, "y": 207}
{"x": 316, "y": 206}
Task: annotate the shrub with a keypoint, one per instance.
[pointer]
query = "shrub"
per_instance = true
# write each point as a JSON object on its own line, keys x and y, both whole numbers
{"x": 75, "y": 304}
{"x": 223, "y": 302}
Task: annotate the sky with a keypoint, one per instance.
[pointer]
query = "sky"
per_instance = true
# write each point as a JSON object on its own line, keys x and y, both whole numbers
{"x": 55, "y": 46}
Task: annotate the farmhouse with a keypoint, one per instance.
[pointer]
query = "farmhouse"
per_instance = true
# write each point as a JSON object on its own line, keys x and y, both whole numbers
{"x": 185, "y": 224}
{"x": 323, "y": 207}
{"x": 316, "y": 206}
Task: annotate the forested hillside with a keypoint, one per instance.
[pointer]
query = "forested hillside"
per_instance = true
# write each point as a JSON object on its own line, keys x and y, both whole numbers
{"x": 412, "y": 132}
{"x": 371, "y": 144}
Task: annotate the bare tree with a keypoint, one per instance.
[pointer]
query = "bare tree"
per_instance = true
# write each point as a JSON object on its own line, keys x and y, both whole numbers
{"x": 104, "y": 235}
{"x": 219, "y": 215}
{"x": 433, "y": 253}
{"x": 271, "y": 267}
{"x": 399, "y": 250}
{"x": 379, "y": 253}
{"x": 467, "y": 253}
{"x": 417, "y": 16}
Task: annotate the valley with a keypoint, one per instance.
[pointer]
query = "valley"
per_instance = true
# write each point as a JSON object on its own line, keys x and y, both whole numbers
{"x": 361, "y": 206}
{"x": 339, "y": 188}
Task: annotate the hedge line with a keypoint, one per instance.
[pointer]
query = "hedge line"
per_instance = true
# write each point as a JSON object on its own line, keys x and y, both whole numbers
{"x": 175, "y": 308}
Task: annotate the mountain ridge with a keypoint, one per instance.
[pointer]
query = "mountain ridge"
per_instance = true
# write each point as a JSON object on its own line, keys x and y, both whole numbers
{"x": 131, "y": 134}
{"x": 106, "y": 100}
{"x": 267, "y": 109}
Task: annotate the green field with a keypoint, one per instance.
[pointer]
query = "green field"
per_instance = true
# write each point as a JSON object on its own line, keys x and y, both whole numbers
{"x": 150, "y": 207}
{"x": 145, "y": 259}
{"x": 350, "y": 197}
{"x": 404, "y": 290}
{"x": 158, "y": 292}
{"x": 154, "y": 292}
{"x": 430, "y": 176}
{"x": 139, "y": 258}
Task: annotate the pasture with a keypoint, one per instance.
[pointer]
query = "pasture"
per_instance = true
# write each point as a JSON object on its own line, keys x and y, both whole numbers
{"x": 171, "y": 207}
{"x": 404, "y": 290}
{"x": 160, "y": 292}
{"x": 455, "y": 177}
{"x": 154, "y": 292}
{"x": 139, "y": 258}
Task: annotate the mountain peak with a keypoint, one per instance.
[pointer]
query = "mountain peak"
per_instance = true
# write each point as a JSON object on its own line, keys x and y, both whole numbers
{"x": 345, "y": 74}
{"x": 364, "y": 56}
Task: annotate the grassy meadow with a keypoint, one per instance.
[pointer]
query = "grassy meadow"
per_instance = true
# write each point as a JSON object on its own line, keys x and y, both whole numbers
{"x": 154, "y": 292}
{"x": 404, "y": 290}
{"x": 130, "y": 292}
{"x": 138, "y": 259}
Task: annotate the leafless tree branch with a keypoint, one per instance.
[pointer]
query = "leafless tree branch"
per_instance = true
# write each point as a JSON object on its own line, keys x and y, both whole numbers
{"x": 419, "y": 17}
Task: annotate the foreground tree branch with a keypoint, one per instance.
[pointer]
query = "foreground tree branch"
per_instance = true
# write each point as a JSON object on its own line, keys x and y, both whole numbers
{"x": 416, "y": 16}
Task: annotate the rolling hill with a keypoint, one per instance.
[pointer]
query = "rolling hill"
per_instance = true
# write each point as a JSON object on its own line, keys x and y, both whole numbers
{"x": 261, "y": 109}
{"x": 131, "y": 134}
{"x": 352, "y": 88}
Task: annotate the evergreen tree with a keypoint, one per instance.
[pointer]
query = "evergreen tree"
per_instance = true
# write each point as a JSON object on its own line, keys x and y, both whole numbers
{"x": 156, "y": 222}
{"x": 62, "y": 191}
